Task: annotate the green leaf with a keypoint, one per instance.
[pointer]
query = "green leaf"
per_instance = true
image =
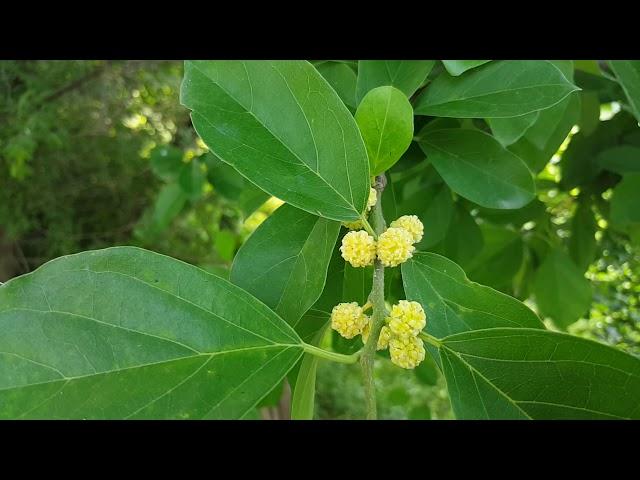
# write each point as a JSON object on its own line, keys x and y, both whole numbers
{"x": 304, "y": 390}
{"x": 127, "y": 333}
{"x": 625, "y": 213}
{"x": 582, "y": 243}
{"x": 192, "y": 179}
{"x": 463, "y": 240}
{"x": 282, "y": 126}
{"x": 225, "y": 243}
{"x": 620, "y": 159}
{"x": 168, "y": 205}
{"x": 436, "y": 215}
{"x": 458, "y": 67}
{"x": 427, "y": 371}
{"x": 543, "y": 139}
{"x": 385, "y": 119}
{"x": 510, "y": 130}
{"x": 628, "y": 75}
{"x": 342, "y": 79}
{"x": 455, "y": 304}
{"x": 500, "y": 258}
{"x": 406, "y": 75}
{"x": 520, "y": 373}
{"x": 499, "y": 89}
{"x": 166, "y": 162}
{"x": 561, "y": 290}
{"x": 357, "y": 283}
{"x": 590, "y": 113}
{"x": 477, "y": 167}
{"x": 284, "y": 262}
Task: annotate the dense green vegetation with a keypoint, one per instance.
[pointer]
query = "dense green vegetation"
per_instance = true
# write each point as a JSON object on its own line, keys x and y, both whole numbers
{"x": 102, "y": 153}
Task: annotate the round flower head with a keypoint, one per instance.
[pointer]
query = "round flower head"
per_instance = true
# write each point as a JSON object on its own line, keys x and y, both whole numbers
{"x": 348, "y": 319}
{"x": 411, "y": 224}
{"x": 395, "y": 246}
{"x": 406, "y": 352}
{"x": 373, "y": 199}
{"x": 356, "y": 225}
{"x": 383, "y": 339}
{"x": 358, "y": 248}
{"x": 407, "y": 319}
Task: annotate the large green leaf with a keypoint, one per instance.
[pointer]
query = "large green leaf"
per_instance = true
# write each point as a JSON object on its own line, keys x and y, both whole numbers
{"x": 284, "y": 262}
{"x": 561, "y": 290}
{"x": 507, "y": 88}
{"x": 455, "y": 304}
{"x": 385, "y": 119}
{"x": 405, "y": 75}
{"x": 620, "y": 159}
{"x": 520, "y": 373}
{"x": 127, "y": 333}
{"x": 458, "y": 67}
{"x": 477, "y": 167}
{"x": 282, "y": 126}
{"x": 628, "y": 75}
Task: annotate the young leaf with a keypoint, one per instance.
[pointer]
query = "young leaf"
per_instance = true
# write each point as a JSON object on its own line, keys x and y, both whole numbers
{"x": 405, "y": 75}
{"x": 477, "y": 167}
{"x": 521, "y": 373}
{"x": 628, "y": 75}
{"x": 127, "y": 333}
{"x": 284, "y": 262}
{"x": 507, "y": 88}
{"x": 455, "y": 304}
{"x": 385, "y": 119}
{"x": 561, "y": 290}
{"x": 282, "y": 126}
{"x": 458, "y": 67}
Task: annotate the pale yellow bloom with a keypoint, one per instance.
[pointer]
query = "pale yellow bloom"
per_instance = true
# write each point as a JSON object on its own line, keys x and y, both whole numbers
{"x": 406, "y": 352}
{"x": 358, "y": 248}
{"x": 383, "y": 339}
{"x": 407, "y": 319}
{"x": 395, "y": 246}
{"x": 412, "y": 224}
{"x": 348, "y": 319}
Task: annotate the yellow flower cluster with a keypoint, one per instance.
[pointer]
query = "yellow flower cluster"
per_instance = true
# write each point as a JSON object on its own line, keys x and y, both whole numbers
{"x": 406, "y": 352}
{"x": 400, "y": 334}
{"x": 407, "y": 319}
{"x": 394, "y": 246}
{"x": 348, "y": 319}
{"x": 358, "y": 248}
{"x": 371, "y": 202}
{"x": 411, "y": 224}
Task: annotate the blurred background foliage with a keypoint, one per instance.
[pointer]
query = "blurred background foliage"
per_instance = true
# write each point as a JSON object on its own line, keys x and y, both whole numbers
{"x": 101, "y": 153}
